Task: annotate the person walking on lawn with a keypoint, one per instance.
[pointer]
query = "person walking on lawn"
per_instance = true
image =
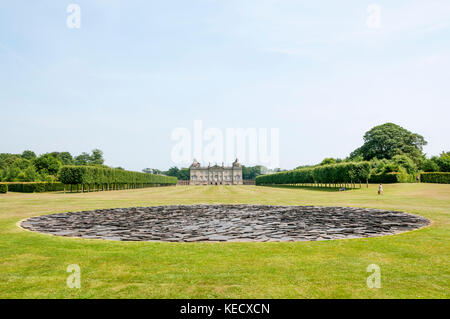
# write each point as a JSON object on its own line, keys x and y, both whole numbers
{"x": 380, "y": 189}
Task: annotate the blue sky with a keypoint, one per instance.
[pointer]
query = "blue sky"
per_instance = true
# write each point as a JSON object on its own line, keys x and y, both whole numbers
{"x": 136, "y": 70}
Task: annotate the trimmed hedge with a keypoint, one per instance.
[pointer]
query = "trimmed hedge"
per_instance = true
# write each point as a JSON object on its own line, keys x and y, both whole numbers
{"x": 111, "y": 178}
{"x": 3, "y": 188}
{"x": 91, "y": 178}
{"x": 35, "y": 187}
{"x": 342, "y": 173}
{"x": 435, "y": 177}
{"x": 393, "y": 177}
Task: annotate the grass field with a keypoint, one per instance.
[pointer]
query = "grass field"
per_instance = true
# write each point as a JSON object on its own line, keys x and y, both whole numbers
{"x": 413, "y": 264}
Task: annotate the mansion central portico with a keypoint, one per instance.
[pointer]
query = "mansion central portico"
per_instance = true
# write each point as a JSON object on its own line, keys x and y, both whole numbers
{"x": 215, "y": 175}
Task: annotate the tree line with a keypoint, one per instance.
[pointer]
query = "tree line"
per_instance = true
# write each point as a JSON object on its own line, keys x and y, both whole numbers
{"x": 393, "y": 154}
{"x": 390, "y": 148}
{"x": 394, "y": 148}
{"x": 330, "y": 175}
{"x": 28, "y": 167}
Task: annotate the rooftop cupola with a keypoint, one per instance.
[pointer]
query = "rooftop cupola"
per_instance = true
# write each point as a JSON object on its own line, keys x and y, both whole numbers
{"x": 195, "y": 164}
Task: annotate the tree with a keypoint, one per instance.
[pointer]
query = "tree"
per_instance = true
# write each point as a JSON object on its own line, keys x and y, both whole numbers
{"x": 388, "y": 140}
{"x": 379, "y": 166}
{"x": 7, "y": 159}
{"x": 173, "y": 171}
{"x": 429, "y": 165}
{"x": 47, "y": 164}
{"x": 85, "y": 159}
{"x": 97, "y": 157}
{"x": 11, "y": 174}
{"x": 21, "y": 163}
{"x": 405, "y": 162}
{"x": 66, "y": 158}
{"x": 82, "y": 159}
{"x": 443, "y": 161}
{"x": 250, "y": 172}
{"x": 31, "y": 175}
{"x": 184, "y": 174}
{"x": 180, "y": 173}
{"x": 29, "y": 155}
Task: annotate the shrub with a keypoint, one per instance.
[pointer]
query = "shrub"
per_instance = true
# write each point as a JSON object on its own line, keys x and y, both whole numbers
{"x": 438, "y": 177}
{"x": 3, "y": 188}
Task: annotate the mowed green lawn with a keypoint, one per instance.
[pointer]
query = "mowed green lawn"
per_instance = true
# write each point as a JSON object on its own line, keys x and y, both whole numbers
{"x": 413, "y": 264}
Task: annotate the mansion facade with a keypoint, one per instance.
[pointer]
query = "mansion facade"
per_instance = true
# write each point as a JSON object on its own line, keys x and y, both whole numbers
{"x": 215, "y": 175}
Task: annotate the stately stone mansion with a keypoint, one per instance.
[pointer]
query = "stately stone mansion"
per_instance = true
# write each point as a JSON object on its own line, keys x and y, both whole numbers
{"x": 215, "y": 175}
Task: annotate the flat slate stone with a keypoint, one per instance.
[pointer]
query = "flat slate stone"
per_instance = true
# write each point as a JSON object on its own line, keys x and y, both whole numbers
{"x": 218, "y": 223}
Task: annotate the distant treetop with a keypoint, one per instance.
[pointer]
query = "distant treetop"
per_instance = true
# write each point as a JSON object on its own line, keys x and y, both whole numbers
{"x": 389, "y": 139}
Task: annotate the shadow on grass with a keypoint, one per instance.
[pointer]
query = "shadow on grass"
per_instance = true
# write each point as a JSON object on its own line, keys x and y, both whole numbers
{"x": 313, "y": 188}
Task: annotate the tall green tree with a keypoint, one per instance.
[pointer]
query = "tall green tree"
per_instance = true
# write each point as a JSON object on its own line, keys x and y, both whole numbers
{"x": 184, "y": 174}
{"x": 29, "y": 155}
{"x": 21, "y": 163}
{"x": 82, "y": 159}
{"x": 443, "y": 161}
{"x": 47, "y": 164}
{"x": 250, "y": 172}
{"x": 30, "y": 174}
{"x": 429, "y": 165}
{"x": 388, "y": 140}
{"x": 173, "y": 171}
{"x": 66, "y": 158}
{"x": 86, "y": 159}
{"x": 405, "y": 162}
{"x": 96, "y": 157}
{"x": 7, "y": 159}
{"x": 11, "y": 174}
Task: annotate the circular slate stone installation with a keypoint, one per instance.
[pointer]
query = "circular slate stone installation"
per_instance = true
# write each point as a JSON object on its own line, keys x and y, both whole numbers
{"x": 196, "y": 223}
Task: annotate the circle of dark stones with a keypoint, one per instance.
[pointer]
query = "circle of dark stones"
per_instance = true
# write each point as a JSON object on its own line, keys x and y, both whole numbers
{"x": 197, "y": 223}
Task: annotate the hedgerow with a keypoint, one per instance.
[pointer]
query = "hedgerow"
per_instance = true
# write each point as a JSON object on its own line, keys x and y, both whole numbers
{"x": 329, "y": 175}
{"x": 103, "y": 178}
{"x": 392, "y": 177}
{"x": 437, "y": 177}
{"x": 3, "y": 188}
{"x": 35, "y": 187}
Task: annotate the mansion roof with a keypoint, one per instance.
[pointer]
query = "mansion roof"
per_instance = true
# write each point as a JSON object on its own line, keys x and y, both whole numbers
{"x": 196, "y": 165}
